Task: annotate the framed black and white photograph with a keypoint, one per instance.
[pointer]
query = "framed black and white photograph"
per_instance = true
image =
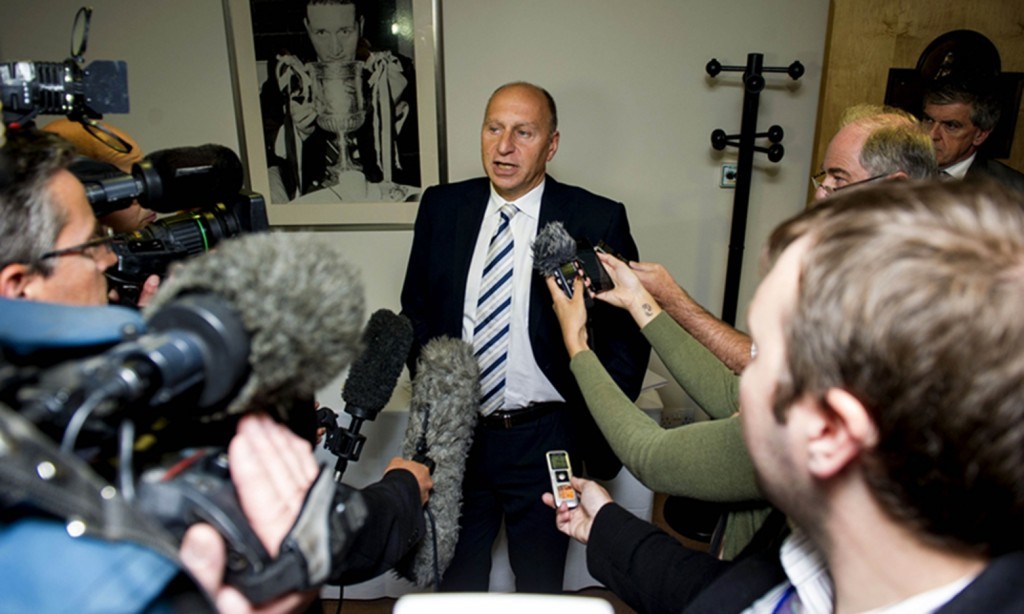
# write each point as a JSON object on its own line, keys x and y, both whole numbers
{"x": 338, "y": 106}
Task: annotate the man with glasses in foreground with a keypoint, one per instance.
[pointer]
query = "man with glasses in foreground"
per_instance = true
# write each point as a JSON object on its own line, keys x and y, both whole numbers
{"x": 51, "y": 246}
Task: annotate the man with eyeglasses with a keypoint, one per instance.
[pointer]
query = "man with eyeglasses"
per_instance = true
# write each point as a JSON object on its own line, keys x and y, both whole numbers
{"x": 51, "y": 246}
{"x": 960, "y": 115}
{"x": 52, "y": 249}
{"x": 873, "y": 143}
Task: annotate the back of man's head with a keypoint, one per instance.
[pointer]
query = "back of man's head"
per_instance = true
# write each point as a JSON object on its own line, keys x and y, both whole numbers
{"x": 977, "y": 93}
{"x": 909, "y": 300}
{"x": 30, "y": 221}
{"x": 895, "y": 141}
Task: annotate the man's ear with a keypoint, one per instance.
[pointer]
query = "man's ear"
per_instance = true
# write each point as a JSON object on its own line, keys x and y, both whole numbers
{"x": 900, "y": 175}
{"x": 13, "y": 280}
{"x": 980, "y": 137}
{"x": 842, "y": 431}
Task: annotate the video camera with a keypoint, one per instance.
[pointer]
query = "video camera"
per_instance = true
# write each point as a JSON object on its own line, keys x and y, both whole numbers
{"x": 70, "y": 88}
{"x": 151, "y": 250}
{"x": 134, "y": 398}
{"x": 205, "y": 180}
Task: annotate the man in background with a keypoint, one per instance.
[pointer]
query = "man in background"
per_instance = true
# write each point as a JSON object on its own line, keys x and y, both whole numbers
{"x": 960, "y": 116}
{"x": 874, "y": 143}
{"x": 383, "y": 148}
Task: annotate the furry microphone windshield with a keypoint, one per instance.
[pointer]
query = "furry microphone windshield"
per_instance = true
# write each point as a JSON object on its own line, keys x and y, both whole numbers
{"x": 445, "y": 402}
{"x": 299, "y": 301}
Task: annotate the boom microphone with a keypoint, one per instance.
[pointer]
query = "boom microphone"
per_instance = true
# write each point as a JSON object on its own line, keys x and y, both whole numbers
{"x": 445, "y": 403}
{"x": 554, "y": 255}
{"x": 300, "y": 304}
{"x": 371, "y": 380}
{"x": 168, "y": 180}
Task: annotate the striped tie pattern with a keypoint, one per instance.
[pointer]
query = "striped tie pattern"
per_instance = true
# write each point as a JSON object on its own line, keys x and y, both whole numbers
{"x": 493, "y": 314}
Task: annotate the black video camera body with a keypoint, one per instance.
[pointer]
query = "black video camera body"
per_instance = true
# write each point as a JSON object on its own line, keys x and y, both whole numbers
{"x": 66, "y": 88}
{"x": 151, "y": 250}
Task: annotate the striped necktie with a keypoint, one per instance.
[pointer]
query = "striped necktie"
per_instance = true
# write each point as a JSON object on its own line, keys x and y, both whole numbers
{"x": 493, "y": 314}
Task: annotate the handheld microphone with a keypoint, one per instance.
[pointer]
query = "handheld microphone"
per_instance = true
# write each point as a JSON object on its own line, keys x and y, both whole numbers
{"x": 167, "y": 181}
{"x": 554, "y": 255}
{"x": 445, "y": 404}
{"x": 371, "y": 380}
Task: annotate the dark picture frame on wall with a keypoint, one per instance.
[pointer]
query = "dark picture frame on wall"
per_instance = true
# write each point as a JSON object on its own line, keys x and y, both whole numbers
{"x": 340, "y": 106}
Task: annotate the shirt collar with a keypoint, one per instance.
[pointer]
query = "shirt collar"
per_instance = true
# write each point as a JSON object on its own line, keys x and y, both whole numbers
{"x": 806, "y": 569}
{"x": 958, "y": 170}
{"x": 528, "y": 203}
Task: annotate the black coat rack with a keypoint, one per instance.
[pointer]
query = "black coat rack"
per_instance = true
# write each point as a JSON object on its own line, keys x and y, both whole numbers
{"x": 753, "y": 83}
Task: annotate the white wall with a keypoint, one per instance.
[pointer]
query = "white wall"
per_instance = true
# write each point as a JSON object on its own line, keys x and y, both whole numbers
{"x": 636, "y": 106}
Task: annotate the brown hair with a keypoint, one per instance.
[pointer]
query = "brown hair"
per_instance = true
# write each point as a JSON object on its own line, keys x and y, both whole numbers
{"x": 909, "y": 299}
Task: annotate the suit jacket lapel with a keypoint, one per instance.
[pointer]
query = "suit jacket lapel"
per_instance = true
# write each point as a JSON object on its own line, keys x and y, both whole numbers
{"x": 466, "y": 226}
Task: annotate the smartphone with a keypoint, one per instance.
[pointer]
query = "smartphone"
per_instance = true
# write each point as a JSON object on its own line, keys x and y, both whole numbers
{"x": 560, "y": 472}
{"x": 592, "y": 267}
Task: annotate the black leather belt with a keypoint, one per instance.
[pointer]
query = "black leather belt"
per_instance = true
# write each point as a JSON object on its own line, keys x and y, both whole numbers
{"x": 503, "y": 419}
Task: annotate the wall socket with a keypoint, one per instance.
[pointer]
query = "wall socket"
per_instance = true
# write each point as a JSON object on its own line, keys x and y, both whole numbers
{"x": 728, "y": 176}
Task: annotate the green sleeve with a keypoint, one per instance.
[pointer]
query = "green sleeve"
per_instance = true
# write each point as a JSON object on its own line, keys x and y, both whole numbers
{"x": 707, "y": 380}
{"x": 705, "y": 460}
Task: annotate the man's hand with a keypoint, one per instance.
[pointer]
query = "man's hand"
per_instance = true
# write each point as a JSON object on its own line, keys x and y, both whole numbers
{"x": 420, "y": 471}
{"x": 572, "y": 315}
{"x": 272, "y": 470}
{"x": 656, "y": 280}
{"x": 149, "y": 288}
{"x": 205, "y": 556}
{"x": 576, "y": 522}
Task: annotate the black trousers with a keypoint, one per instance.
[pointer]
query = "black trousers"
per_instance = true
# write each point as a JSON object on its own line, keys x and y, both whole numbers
{"x": 506, "y": 474}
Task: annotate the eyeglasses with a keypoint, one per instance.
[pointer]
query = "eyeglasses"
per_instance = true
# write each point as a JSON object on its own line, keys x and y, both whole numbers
{"x": 830, "y": 190}
{"x": 94, "y": 248}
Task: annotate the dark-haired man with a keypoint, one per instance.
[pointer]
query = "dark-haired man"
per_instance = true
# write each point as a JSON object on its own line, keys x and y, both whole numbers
{"x": 960, "y": 115}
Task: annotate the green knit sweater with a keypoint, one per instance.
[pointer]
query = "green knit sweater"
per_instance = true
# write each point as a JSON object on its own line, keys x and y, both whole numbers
{"x": 704, "y": 460}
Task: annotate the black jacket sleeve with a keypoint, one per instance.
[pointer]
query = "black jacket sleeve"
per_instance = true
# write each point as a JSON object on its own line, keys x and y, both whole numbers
{"x": 393, "y": 526}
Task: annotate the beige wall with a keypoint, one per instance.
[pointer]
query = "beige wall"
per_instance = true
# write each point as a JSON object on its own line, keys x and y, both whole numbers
{"x": 635, "y": 103}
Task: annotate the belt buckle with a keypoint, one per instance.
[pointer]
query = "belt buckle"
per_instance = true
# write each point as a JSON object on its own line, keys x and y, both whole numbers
{"x": 506, "y": 419}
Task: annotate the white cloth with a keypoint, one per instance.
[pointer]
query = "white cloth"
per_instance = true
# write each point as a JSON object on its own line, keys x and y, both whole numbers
{"x": 525, "y": 383}
{"x": 959, "y": 170}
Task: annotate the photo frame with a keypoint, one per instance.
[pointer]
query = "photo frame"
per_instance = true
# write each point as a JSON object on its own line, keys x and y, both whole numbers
{"x": 384, "y": 155}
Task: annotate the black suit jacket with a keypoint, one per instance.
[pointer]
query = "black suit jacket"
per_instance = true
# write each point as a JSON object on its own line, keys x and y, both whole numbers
{"x": 653, "y": 572}
{"x": 433, "y": 295}
{"x": 986, "y": 167}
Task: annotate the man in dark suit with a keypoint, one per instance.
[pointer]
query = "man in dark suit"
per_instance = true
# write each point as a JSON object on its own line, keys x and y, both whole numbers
{"x": 960, "y": 115}
{"x": 883, "y": 414}
{"x": 530, "y": 401}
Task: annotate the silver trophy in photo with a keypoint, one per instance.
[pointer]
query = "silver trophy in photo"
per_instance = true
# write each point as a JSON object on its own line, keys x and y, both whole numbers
{"x": 341, "y": 110}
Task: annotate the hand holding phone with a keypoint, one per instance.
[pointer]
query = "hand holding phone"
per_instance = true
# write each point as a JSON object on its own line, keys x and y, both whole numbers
{"x": 561, "y": 472}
